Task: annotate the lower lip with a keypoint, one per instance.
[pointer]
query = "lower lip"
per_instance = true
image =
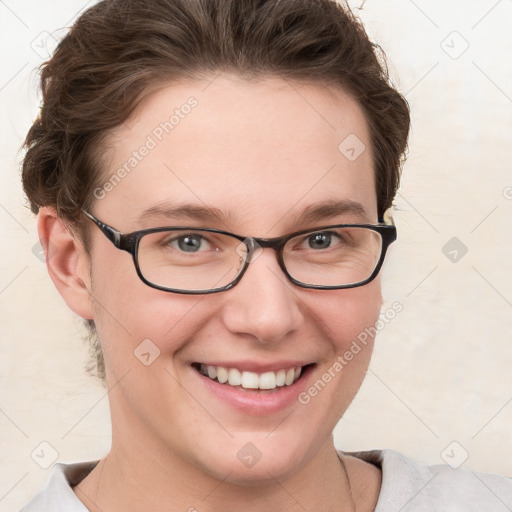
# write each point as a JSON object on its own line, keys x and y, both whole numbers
{"x": 257, "y": 402}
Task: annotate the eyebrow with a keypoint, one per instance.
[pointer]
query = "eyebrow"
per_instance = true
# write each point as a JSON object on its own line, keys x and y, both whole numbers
{"x": 313, "y": 213}
{"x": 328, "y": 209}
{"x": 187, "y": 211}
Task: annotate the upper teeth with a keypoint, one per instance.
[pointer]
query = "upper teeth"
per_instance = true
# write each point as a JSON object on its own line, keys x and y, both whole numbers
{"x": 251, "y": 380}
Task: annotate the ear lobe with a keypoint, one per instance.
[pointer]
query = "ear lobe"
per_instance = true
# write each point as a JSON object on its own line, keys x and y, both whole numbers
{"x": 67, "y": 262}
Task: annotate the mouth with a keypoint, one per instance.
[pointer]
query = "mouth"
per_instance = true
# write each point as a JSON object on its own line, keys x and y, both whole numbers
{"x": 269, "y": 381}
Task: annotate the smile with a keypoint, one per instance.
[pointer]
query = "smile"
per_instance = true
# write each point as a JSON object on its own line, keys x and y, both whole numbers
{"x": 250, "y": 380}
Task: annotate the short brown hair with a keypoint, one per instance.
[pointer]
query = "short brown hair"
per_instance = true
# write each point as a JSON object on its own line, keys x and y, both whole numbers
{"x": 118, "y": 51}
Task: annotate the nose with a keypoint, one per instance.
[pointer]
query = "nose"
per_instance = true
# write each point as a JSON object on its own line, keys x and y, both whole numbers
{"x": 264, "y": 304}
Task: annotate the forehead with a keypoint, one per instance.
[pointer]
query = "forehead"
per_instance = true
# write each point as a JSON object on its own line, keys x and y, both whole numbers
{"x": 259, "y": 151}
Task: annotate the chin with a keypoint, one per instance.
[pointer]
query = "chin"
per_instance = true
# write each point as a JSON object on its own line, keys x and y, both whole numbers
{"x": 253, "y": 460}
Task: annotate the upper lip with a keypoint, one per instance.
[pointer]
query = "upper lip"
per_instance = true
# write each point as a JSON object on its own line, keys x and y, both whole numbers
{"x": 255, "y": 366}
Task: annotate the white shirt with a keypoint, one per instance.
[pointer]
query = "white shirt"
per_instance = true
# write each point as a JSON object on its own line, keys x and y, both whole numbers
{"x": 407, "y": 486}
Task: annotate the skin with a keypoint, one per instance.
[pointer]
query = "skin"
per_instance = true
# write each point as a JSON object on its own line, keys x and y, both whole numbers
{"x": 260, "y": 152}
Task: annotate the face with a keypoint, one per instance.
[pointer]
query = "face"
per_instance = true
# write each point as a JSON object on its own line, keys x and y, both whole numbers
{"x": 250, "y": 158}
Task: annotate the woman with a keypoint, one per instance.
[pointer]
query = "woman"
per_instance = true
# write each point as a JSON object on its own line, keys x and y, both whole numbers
{"x": 211, "y": 181}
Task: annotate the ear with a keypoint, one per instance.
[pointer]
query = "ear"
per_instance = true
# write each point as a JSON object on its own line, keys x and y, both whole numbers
{"x": 67, "y": 262}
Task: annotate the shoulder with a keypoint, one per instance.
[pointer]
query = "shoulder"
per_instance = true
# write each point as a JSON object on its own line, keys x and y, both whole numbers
{"x": 58, "y": 495}
{"x": 410, "y": 486}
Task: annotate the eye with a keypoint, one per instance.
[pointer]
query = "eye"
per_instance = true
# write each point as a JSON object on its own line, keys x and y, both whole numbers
{"x": 322, "y": 240}
{"x": 190, "y": 242}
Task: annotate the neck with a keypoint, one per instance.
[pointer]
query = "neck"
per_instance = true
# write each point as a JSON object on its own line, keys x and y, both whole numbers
{"x": 132, "y": 477}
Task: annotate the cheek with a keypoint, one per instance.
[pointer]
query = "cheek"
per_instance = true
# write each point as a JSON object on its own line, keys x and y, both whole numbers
{"x": 349, "y": 315}
{"x": 344, "y": 319}
{"x": 348, "y": 321}
{"x": 128, "y": 313}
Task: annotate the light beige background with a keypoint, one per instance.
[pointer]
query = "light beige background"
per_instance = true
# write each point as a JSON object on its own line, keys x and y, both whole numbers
{"x": 441, "y": 371}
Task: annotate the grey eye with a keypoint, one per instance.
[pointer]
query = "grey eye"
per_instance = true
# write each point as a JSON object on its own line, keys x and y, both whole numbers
{"x": 320, "y": 240}
{"x": 188, "y": 243}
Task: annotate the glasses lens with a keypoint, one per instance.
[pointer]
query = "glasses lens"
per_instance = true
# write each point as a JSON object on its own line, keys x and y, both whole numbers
{"x": 190, "y": 260}
{"x": 333, "y": 257}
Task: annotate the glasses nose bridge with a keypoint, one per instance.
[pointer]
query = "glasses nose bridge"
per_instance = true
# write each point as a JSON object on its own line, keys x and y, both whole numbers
{"x": 255, "y": 244}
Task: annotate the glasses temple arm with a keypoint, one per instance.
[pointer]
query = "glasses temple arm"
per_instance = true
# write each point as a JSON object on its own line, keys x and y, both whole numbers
{"x": 112, "y": 234}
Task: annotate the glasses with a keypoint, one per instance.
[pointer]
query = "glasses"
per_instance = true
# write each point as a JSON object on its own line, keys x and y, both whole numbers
{"x": 200, "y": 261}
